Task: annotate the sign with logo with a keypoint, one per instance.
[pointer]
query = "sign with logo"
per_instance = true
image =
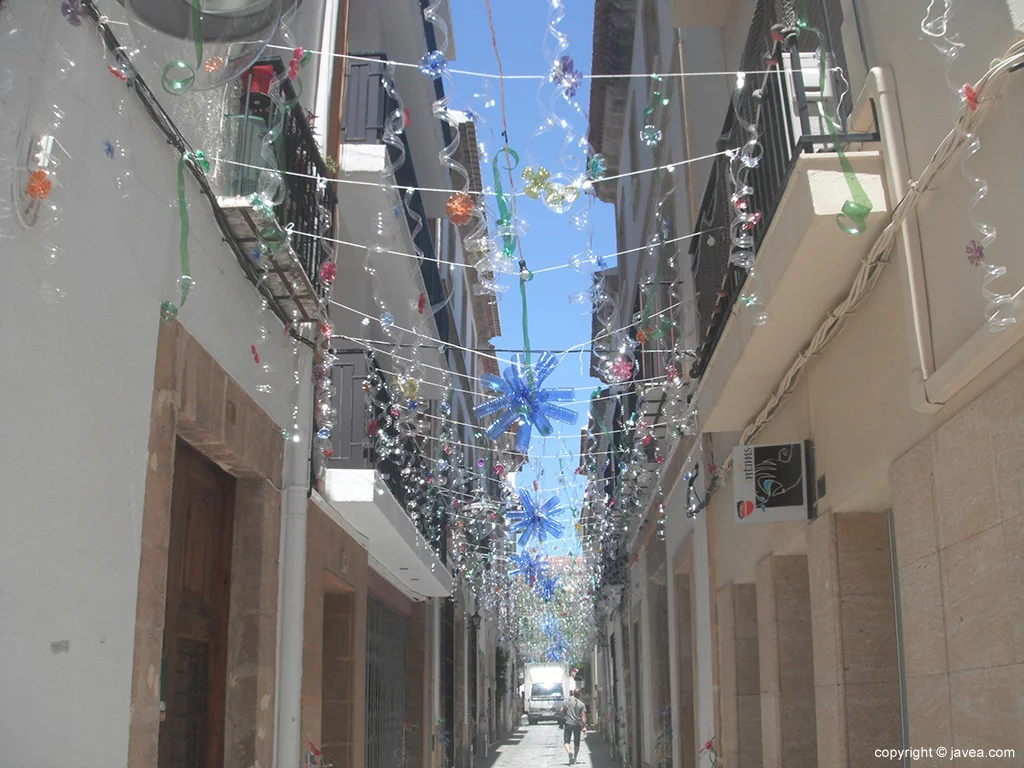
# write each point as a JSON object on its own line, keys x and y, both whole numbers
{"x": 770, "y": 483}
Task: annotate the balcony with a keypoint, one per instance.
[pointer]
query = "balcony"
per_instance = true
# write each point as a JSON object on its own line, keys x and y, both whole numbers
{"x": 363, "y": 158}
{"x": 804, "y": 262}
{"x": 396, "y": 542}
{"x": 293, "y": 276}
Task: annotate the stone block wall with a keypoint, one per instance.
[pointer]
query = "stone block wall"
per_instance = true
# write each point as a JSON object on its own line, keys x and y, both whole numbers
{"x": 960, "y": 553}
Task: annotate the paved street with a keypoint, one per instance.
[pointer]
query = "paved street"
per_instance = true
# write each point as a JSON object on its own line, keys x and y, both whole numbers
{"x": 540, "y": 746}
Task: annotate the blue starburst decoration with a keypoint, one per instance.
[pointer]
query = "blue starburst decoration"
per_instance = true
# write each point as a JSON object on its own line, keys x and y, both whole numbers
{"x": 546, "y": 585}
{"x": 531, "y": 567}
{"x": 522, "y": 400}
{"x": 535, "y": 520}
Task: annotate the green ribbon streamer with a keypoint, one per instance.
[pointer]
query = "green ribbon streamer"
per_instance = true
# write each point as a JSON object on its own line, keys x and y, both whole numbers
{"x": 504, "y": 215}
{"x": 199, "y": 159}
{"x": 526, "y": 330}
{"x": 197, "y": 30}
{"x": 853, "y": 217}
{"x": 600, "y": 422}
{"x": 509, "y": 244}
{"x": 179, "y": 76}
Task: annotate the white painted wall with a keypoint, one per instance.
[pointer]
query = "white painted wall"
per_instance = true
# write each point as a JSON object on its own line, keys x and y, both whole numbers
{"x": 77, "y": 380}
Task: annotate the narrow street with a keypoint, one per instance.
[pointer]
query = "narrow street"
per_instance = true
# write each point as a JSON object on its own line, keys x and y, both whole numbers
{"x": 540, "y": 746}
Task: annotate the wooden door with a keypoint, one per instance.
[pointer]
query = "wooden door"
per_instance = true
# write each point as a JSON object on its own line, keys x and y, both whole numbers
{"x": 196, "y": 623}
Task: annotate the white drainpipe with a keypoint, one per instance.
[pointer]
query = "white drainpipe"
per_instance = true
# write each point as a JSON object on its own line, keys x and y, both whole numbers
{"x": 881, "y": 86}
{"x": 293, "y": 574}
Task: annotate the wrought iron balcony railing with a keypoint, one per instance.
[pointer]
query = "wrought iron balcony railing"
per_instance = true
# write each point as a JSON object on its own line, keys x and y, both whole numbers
{"x": 367, "y": 106}
{"x": 352, "y": 448}
{"x": 308, "y": 206}
{"x": 789, "y": 104}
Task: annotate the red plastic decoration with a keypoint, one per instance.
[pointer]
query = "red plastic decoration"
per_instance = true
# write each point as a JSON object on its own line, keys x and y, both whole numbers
{"x": 255, "y": 354}
{"x": 459, "y": 209}
{"x": 372, "y": 428}
{"x": 421, "y": 303}
{"x": 970, "y": 96}
{"x": 328, "y": 271}
{"x": 755, "y": 219}
{"x": 328, "y": 452}
{"x": 39, "y": 185}
{"x": 118, "y": 73}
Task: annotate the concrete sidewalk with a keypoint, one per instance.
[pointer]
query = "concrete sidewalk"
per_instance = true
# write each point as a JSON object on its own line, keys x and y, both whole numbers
{"x": 540, "y": 746}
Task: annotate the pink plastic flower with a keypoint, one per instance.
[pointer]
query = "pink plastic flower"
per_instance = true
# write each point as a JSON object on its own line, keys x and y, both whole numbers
{"x": 328, "y": 271}
{"x": 622, "y": 369}
{"x": 975, "y": 253}
{"x": 970, "y": 96}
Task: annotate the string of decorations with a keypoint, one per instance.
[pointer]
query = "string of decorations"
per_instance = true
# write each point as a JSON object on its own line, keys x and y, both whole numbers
{"x": 998, "y": 312}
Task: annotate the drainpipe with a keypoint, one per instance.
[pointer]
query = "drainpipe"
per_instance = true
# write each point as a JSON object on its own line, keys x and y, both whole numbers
{"x": 293, "y": 567}
{"x": 881, "y": 86}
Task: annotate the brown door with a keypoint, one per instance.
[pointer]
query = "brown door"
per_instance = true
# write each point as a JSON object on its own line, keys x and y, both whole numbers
{"x": 195, "y": 635}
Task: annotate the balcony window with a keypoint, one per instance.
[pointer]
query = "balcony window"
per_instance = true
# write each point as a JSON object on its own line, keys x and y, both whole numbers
{"x": 308, "y": 205}
{"x": 790, "y": 118}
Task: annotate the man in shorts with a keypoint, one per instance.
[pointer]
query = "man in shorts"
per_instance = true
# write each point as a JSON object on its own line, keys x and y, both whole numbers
{"x": 575, "y": 712}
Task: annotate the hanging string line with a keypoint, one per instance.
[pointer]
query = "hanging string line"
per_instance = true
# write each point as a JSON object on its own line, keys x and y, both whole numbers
{"x": 442, "y": 190}
{"x": 364, "y": 246}
{"x": 477, "y": 352}
{"x": 370, "y": 346}
{"x": 493, "y": 76}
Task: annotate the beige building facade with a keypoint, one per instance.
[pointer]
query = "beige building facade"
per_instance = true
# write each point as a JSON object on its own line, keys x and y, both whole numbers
{"x": 890, "y": 617}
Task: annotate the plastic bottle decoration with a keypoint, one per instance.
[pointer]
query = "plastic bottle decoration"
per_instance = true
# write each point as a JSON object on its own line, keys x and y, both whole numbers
{"x": 39, "y": 185}
{"x": 535, "y": 520}
{"x": 998, "y": 306}
{"x": 536, "y": 181}
{"x": 460, "y": 209}
{"x": 191, "y": 45}
{"x": 565, "y": 74}
{"x": 523, "y": 401}
{"x": 72, "y": 11}
{"x": 328, "y": 272}
{"x": 622, "y": 369}
{"x": 597, "y": 167}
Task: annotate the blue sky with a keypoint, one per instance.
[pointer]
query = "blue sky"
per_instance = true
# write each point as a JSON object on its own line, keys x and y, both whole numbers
{"x": 552, "y": 238}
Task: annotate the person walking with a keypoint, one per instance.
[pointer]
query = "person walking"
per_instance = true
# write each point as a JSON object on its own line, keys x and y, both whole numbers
{"x": 575, "y": 713}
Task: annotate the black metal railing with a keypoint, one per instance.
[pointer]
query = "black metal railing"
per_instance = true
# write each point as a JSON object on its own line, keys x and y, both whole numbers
{"x": 367, "y": 106}
{"x": 311, "y": 199}
{"x": 789, "y": 113}
{"x": 352, "y": 446}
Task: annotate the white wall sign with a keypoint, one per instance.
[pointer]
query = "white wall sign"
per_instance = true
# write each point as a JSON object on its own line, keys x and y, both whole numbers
{"x": 769, "y": 483}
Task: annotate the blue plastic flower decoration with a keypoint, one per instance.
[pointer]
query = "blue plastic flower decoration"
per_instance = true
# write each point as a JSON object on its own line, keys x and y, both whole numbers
{"x": 535, "y": 520}
{"x": 564, "y": 73}
{"x": 557, "y": 651}
{"x": 522, "y": 400}
{"x": 530, "y": 567}
{"x": 108, "y": 149}
{"x": 433, "y": 64}
{"x": 546, "y": 585}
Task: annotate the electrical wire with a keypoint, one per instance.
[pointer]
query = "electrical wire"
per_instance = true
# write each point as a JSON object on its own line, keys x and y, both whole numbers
{"x": 877, "y": 256}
